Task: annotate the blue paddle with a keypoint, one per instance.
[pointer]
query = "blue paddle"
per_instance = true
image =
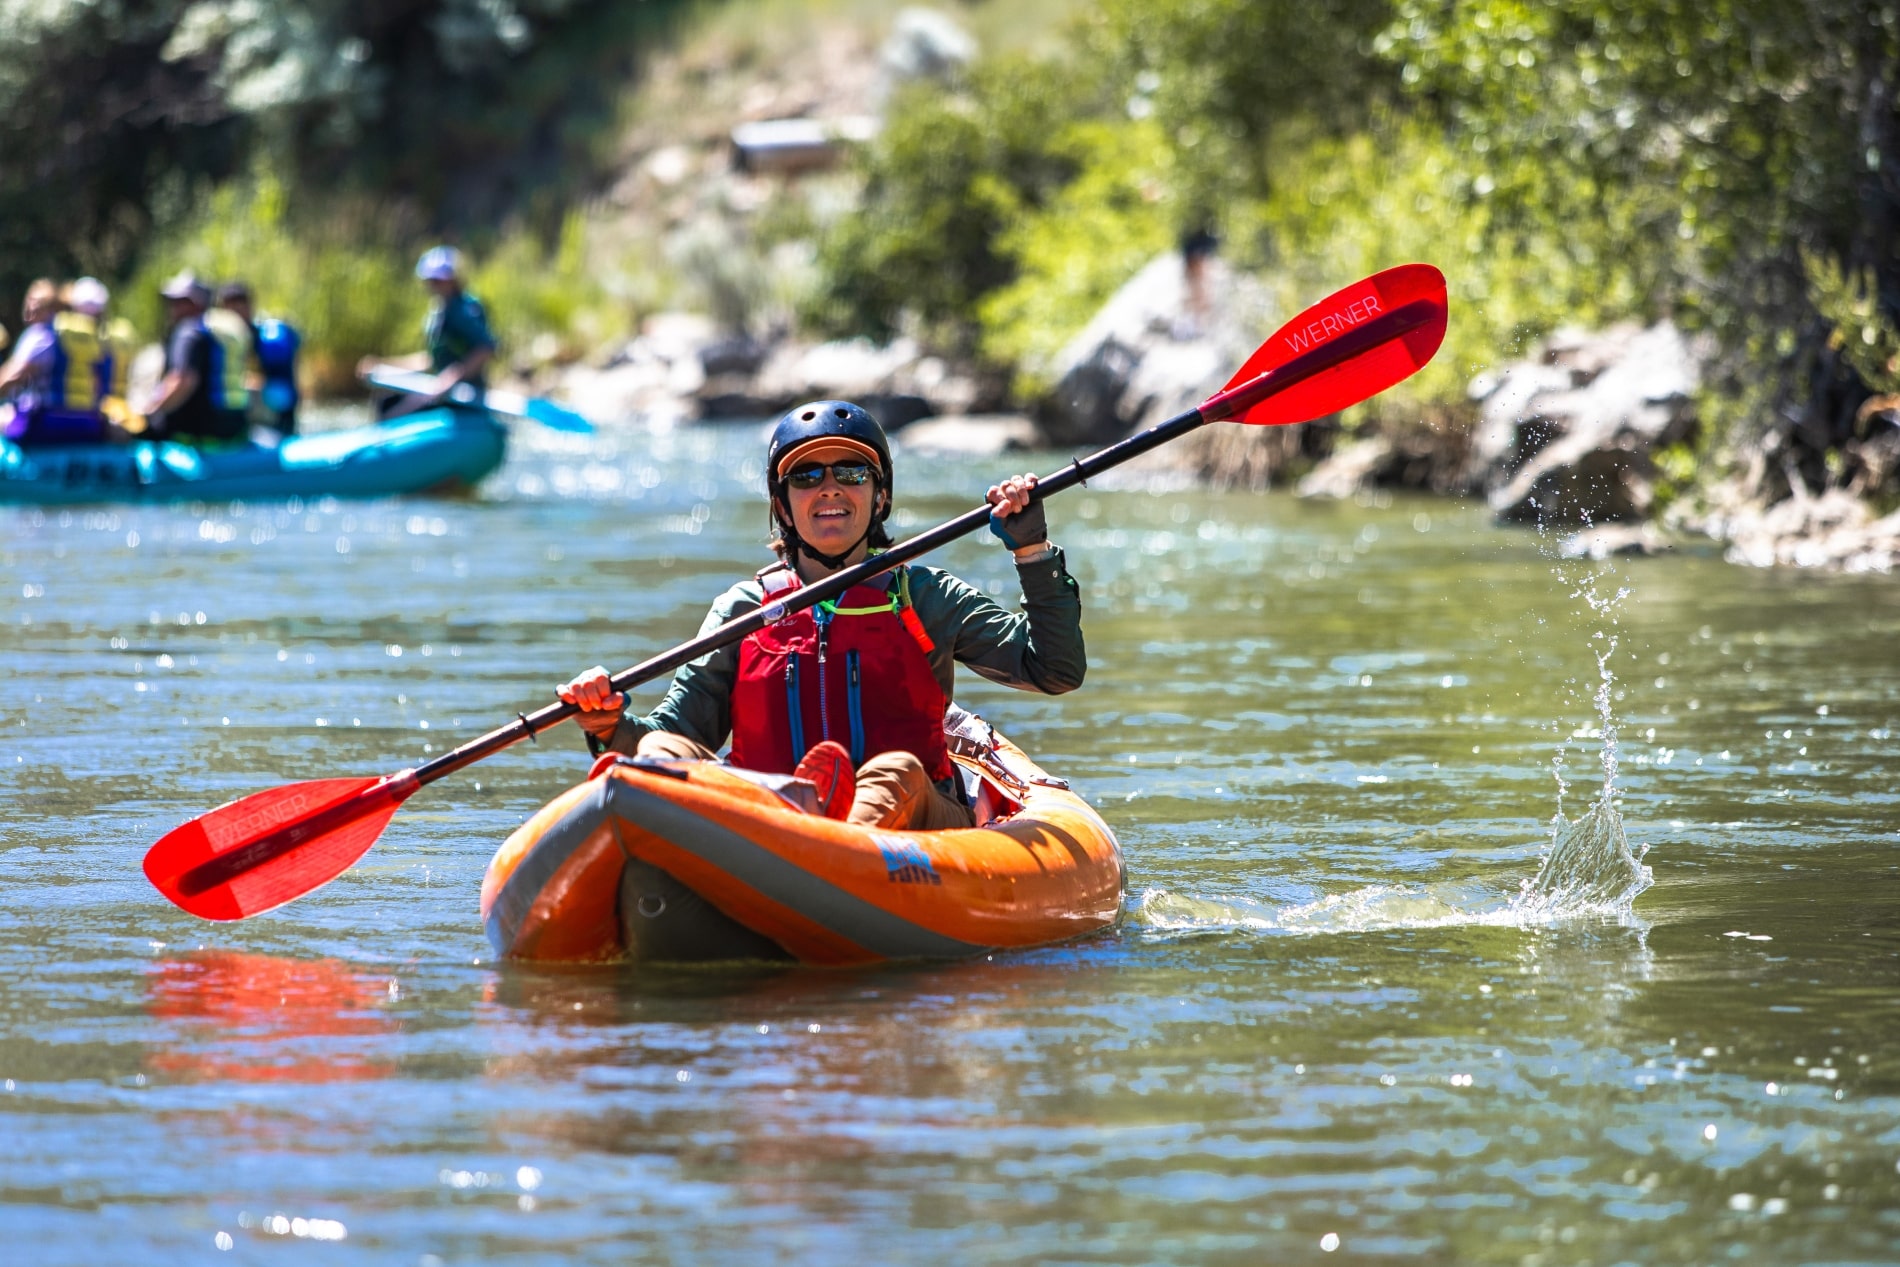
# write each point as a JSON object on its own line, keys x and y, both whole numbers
{"x": 513, "y": 404}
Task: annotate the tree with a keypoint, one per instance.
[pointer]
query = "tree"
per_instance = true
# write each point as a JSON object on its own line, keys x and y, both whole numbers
{"x": 116, "y": 113}
{"x": 1747, "y": 131}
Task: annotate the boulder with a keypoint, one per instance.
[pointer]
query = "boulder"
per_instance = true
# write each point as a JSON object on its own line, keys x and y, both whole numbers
{"x": 1352, "y": 466}
{"x": 1835, "y": 531}
{"x": 971, "y": 435}
{"x": 894, "y": 381}
{"x": 1613, "y": 539}
{"x": 1566, "y": 438}
{"x": 925, "y": 44}
{"x": 1145, "y": 357}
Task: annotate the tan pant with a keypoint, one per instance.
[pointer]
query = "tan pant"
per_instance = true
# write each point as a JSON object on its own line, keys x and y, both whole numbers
{"x": 892, "y": 787}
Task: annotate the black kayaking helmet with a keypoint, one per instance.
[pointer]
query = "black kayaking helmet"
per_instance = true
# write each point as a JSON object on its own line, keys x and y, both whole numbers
{"x": 822, "y": 424}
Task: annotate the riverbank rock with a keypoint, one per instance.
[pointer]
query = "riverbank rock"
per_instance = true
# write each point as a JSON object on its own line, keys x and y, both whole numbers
{"x": 653, "y": 377}
{"x": 1351, "y": 467}
{"x": 1835, "y": 531}
{"x": 972, "y": 435}
{"x": 895, "y": 381}
{"x": 1614, "y": 539}
{"x": 1567, "y": 437}
{"x": 1421, "y": 457}
{"x": 1151, "y": 353}
{"x": 924, "y": 44}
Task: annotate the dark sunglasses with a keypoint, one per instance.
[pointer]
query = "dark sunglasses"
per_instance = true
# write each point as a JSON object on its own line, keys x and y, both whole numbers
{"x": 850, "y": 473}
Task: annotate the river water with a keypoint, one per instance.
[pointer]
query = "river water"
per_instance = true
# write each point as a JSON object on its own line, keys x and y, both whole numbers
{"x": 1354, "y": 1012}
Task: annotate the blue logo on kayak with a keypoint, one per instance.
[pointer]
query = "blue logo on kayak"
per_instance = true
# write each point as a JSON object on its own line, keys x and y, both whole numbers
{"x": 906, "y": 863}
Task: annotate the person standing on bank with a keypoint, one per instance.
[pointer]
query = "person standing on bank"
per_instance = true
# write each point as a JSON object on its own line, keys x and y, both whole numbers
{"x": 459, "y": 344}
{"x": 851, "y": 694}
{"x": 190, "y": 403}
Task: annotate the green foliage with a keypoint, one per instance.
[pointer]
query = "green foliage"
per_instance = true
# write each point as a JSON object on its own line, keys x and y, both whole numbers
{"x": 548, "y": 305}
{"x": 342, "y": 278}
{"x": 1227, "y": 80}
{"x": 466, "y": 113}
{"x": 1734, "y": 135}
{"x": 1346, "y": 208}
{"x": 1071, "y": 254}
{"x": 342, "y": 274}
{"x": 1864, "y": 333}
{"x": 950, "y": 175}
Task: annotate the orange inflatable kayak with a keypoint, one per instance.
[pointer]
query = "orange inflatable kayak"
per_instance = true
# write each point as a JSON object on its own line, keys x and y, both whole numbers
{"x": 685, "y": 861}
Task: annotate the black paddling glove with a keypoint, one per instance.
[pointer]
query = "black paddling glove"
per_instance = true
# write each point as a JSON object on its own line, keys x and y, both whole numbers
{"x": 1027, "y": 527}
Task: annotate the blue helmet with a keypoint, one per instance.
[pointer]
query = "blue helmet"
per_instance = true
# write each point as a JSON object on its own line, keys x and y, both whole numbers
{"x": 439, "y": 264}
{"x": 827, "y": 424}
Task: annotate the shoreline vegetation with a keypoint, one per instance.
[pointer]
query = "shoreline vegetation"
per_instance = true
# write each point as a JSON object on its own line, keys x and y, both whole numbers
{"x": 1670, "y": 232}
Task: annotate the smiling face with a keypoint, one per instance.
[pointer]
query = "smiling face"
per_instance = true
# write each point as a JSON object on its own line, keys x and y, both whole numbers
{"x": 832, "y": 517}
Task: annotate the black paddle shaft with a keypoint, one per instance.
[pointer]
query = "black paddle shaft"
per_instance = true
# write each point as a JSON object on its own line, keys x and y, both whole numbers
{"x": 1355, "y": 342}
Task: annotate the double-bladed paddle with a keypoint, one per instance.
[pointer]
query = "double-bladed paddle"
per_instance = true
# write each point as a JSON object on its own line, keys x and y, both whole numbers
{"x": 251, "y": 855}
{"x": 513, "y": 404}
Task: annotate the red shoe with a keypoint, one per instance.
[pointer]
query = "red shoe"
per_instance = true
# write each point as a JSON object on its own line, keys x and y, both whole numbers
{"x": 607, "y": 761}
{"x": 827, "y": 767}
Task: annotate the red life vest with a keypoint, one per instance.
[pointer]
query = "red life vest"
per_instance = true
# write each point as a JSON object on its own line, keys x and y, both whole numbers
{"x": 807, "y": 678}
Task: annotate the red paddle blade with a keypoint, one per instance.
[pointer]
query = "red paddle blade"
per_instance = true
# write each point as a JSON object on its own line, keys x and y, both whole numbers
{"x": 264, "y": 850}
{"x": 1359, "y": 376}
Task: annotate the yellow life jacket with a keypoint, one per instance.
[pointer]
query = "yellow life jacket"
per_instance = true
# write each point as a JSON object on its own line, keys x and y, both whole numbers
{"x": 82, "y": 364}
{"x": 233, "y": 334}
{"x": 121, "y": 342}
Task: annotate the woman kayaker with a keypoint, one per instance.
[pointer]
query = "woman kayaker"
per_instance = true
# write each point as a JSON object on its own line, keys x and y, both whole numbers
{"x": 857, "y": 686}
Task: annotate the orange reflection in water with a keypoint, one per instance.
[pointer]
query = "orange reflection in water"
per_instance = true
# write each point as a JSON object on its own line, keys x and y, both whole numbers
{"x": 258, "y": 1018}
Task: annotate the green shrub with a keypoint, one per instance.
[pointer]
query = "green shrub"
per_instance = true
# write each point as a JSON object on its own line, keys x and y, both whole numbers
{"x": 549, "y": 305}
{"x": 950, "y": 175}
{"x": 341, "y": 270}
{"x": 1071, "y": 254}
{"x": 1864, "y": 334}
{"x": 1342, "y": 209}
{"x": 340, "y": 273}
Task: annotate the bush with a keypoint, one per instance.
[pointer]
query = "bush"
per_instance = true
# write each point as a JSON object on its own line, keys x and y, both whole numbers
{"x": 341, "y": 272}
{"x": 549, "y": 305}
{"x": 1345, "y": 208}
{"x": 340, "y": 275}
{"x": 1071, "y": 254}
{"x": 949, "y": 177}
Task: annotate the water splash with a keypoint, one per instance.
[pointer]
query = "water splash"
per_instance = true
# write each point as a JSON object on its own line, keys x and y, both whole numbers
{"x": 1588, "y": 871}
{"x": 1373, "y": 908}
{"x": 1589, "y": 867}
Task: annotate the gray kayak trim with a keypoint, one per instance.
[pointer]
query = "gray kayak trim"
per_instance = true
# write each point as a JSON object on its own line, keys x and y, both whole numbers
{"x": 788, "y": 884}
{"x": 549, "y": 855}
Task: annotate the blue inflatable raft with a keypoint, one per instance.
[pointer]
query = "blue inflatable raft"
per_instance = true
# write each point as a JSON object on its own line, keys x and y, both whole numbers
{"x": 433, "y": 450}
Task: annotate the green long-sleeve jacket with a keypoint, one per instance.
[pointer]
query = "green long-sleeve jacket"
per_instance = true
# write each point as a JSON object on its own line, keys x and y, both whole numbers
{"x": 1039, "y": 650}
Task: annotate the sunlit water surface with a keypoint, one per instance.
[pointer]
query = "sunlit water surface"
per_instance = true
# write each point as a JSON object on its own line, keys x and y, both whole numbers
{"x": 1358, "y": 1009}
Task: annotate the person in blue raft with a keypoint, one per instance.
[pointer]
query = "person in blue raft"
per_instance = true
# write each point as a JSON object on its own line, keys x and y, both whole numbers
{"x": 58, "y": 376}
{"x": 201, "y": 400}
{"x": 458, "y": 343}
{"x": 271, "y": 353}
{"x": 851, "y": 694}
